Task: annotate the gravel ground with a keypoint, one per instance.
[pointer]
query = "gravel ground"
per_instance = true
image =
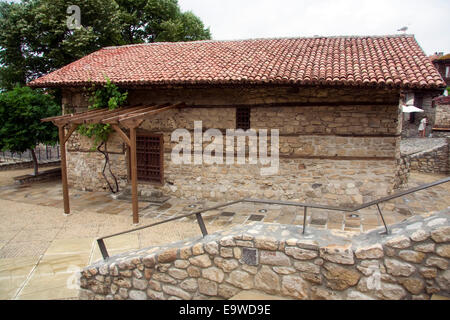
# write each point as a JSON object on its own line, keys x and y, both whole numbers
{"x": 415, "y": 145}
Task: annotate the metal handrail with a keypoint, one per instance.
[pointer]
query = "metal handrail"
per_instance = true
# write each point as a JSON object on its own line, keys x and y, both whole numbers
{"x": 104, "y": 252}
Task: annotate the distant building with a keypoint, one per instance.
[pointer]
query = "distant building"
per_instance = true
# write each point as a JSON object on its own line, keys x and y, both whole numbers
{"x": 442, "y": 64}
{"x": 428, "y": 101}
{"x": 441, "y": 104}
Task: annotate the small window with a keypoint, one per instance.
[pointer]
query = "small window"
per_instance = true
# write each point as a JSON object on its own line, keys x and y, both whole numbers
{"x": 243, "y": 118}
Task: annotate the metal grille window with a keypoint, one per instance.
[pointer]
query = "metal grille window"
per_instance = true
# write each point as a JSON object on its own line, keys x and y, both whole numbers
{"x": 149, "y": 154}
{"x": 243, "y": 118}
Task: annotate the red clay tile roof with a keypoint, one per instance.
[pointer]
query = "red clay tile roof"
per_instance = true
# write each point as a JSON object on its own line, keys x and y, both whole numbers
{"x": 394, "y": 61}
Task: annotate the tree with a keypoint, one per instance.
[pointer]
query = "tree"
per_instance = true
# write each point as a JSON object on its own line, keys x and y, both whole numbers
{"x": 186, "y": 27}
{"x": 159, "y": 20}
{"x": 21, "y": 111}
{"x": 35, "y": 39}
{"x": 13, "y": 61}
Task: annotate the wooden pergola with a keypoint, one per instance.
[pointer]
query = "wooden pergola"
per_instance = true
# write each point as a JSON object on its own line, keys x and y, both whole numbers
{"x": 128, "y": 117}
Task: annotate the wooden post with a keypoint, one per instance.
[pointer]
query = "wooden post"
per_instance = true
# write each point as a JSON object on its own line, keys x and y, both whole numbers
{"x": 134, "y": 175}
{"x": 62, "y": 144}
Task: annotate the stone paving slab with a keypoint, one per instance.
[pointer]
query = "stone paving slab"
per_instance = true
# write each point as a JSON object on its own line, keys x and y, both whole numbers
{"x": 70, "y": 246}
{"x": 24, "y": 249}
{"x": 39, "y": 246}
{"x": 13, "y": 273}
{"x": 49, "y": 287}
{"x": 61, "y": 263}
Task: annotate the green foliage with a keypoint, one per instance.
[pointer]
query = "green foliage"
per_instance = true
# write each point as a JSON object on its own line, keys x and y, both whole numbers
{"x": 186, "y": 27}
{"x": 159, "y": 20}
{"x": 108, "y": 96}
{"x": 35, "y": 40}
{"x": 21, "y": 111}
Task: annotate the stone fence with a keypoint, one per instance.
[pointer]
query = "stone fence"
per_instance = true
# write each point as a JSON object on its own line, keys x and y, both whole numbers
{"x": 411, "y": 263}
{"x": 14, "y": 165}
{"x": 435, "y": 160}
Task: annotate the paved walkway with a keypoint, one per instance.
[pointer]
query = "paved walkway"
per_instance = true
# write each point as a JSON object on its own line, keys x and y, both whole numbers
{"x": 41, "y": 249}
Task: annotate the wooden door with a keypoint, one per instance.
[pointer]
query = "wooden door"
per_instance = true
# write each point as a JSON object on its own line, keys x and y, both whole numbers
{"x": 150, "y": 158}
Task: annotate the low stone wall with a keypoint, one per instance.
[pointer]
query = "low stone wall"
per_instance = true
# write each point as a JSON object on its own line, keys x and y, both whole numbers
{"x": 431, "y": 161}
{"x": 27, "y": 164}
{"x": 47, "y": 175}
{"x": 412, "y": 263}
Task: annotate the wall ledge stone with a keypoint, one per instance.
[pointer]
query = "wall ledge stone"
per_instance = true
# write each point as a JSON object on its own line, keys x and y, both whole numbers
{"x": 411, "y": 263}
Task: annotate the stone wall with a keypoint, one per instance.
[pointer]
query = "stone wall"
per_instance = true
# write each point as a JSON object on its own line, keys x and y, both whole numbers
{"x": 442, "y": 124}
{"x": 336, "y": 144}
{"x": 404, "y": 165}
{"x": 431, "y": 161}
{"x": 85, "y": 164}
{"x": 411, "y": 263}
{"x": 442, "y": 115}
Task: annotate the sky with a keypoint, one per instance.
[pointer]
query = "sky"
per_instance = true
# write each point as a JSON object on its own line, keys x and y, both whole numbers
{"x": 428, "y": 20}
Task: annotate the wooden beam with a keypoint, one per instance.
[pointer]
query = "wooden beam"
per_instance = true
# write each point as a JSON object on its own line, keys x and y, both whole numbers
{"x": 114, "y": 118}
{"x": 85, "y": 118}
{"x": 111, "y": 113}
{"x": 62, "y": 143}
{"x": 143, "y": 115}
{"x": 68, "y": 116}
{"x": 77, "y": 118}
{"x": 134, "y": 194}
{"x": 72, "y": 129}
{"x": 122, "y": 134}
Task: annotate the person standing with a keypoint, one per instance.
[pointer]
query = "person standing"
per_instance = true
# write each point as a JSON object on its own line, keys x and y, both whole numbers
{"x": 423, "y": 127}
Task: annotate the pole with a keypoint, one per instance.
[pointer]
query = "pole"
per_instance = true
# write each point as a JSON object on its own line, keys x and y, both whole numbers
{"x": 62, "y": 145}
{"x": 134, "y": 175}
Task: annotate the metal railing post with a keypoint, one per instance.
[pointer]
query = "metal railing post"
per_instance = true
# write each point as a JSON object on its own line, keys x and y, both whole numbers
{"x": 102, "y": 247}
{"x": 201, "y": 224}
{"x": 382, "y": 218}
{"x": 304, "y": 219}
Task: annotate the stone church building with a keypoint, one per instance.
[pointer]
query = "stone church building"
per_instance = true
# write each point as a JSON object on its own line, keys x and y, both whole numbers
{"x": 335, "y": 101}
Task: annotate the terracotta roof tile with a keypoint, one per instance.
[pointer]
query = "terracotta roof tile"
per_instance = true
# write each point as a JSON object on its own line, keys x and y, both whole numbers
{"x": 396, "y": 61}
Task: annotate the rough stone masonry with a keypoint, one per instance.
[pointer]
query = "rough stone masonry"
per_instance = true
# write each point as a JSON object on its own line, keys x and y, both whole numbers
{"x": 411, "y": 263}
{"x": 337, "y": 145}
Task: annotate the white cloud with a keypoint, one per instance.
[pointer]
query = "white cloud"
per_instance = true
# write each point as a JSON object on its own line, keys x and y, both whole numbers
{"x": 243, "y": 19}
